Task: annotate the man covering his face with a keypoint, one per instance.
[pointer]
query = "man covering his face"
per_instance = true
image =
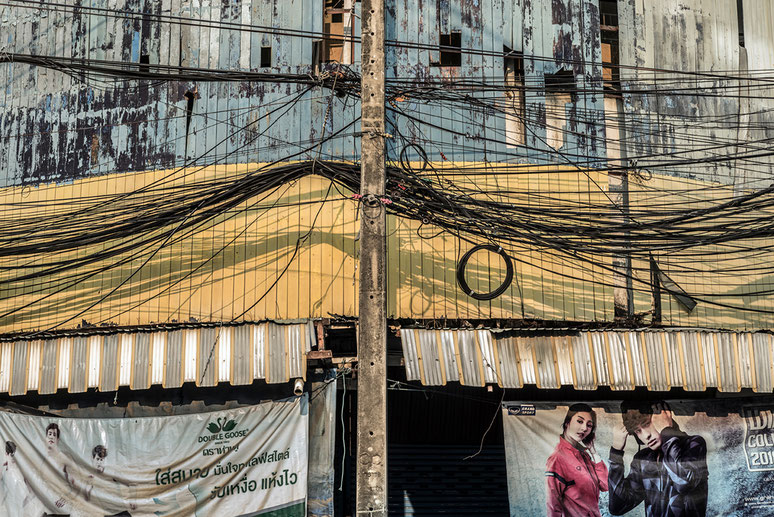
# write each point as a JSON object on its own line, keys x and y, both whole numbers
{"x": 669, "y": 475}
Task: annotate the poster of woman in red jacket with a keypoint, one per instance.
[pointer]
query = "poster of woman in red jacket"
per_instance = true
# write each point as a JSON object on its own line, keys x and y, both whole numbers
{"x": 573, "y": 476}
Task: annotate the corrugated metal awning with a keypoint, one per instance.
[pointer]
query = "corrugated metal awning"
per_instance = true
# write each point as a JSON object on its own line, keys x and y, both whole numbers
{"x": 661, "y": 359}
{"x": 206, "y": 356}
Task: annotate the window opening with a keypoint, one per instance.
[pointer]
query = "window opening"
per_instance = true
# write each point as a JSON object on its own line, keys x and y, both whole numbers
{"x": 515, "y": 112}
{"x": 190, "y": 97}
{"x": 608, "y": 26}
{"x": 144, "y": 61}
{"x": 265, "y": 57}
{"x": 317, "y": 46}
{"x": 740, "y": 20}
{"x": 338, "y": 18}
{"x": 449, "y": 49}
{"x": 560, "y": 91}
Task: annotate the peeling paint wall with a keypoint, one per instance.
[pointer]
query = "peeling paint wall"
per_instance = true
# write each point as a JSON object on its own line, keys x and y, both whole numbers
{"x": 562, "y": 35}
{"x": 58, "y": 128}
{"x": 692, "y": 37}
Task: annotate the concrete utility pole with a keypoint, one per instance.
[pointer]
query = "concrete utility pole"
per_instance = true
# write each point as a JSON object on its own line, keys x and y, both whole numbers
{"x": 371, "y": 490}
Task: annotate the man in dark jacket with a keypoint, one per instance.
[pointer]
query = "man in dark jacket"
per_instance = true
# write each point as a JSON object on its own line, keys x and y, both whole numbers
{"x": 669, "y": 475}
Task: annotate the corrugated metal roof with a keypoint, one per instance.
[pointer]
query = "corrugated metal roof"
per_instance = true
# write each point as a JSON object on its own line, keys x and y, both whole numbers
{"x": 235, "y": 354}
{"x": 657, "y": 359}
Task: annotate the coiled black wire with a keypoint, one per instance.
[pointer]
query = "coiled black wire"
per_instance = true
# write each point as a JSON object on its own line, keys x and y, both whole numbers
{"x": 464, "y": 262}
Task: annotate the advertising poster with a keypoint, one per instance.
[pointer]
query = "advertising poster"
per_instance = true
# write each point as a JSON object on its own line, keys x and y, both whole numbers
{"x": 650, "y": 458}
{"x": 240, "y": 462}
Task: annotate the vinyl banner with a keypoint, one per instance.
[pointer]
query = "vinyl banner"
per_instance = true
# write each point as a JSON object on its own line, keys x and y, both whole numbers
{"x": 245, "y": 461}
{"x": 653, "y": 458}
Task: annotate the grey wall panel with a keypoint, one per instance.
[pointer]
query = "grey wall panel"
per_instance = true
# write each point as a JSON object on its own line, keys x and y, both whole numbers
{"x": 48, "y": 368}
{"x": 19, "y": 376}
{"x": 276, "y": 368}
{"x": 109, "y": 366}
{"x": 470, "y": 358}
{"x": 207, "y": 365}
{"x": 694, "y": 370}
{"x": 409, "y": 345}
{"x": 141, "y": 361}
{"x": 241, "y": 355}
{"x": 78, "y": 365}
{"x": 584, "y": 367}
{"x": 763, "y": 362}
{"x": 508, "y": 365}
{"x": 545, "y": 363}
{"x": 174, "y": 357}
{"x": 526, "y": 350}
{"x": 744, "y": 359}
{"x": 449, "y": 355}
{"x": 430, "y": 357}
{"x": 727, "y": 362}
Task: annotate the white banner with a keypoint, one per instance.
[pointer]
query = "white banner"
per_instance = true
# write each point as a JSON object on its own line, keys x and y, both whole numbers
{"x": 240, "y": 462}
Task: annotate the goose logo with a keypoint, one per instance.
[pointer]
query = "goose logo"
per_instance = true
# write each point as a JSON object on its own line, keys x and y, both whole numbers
{"x": 221, "y": 431}
{"x": 222, "y": 424}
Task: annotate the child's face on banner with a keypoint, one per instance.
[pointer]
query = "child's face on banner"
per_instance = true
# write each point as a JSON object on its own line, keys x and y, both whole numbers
{"x": 98, "y": 462}
{"x": 51, "y": 438}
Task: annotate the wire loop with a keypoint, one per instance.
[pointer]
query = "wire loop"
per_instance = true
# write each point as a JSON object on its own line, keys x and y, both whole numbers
{"x": 464, "y": 262}
{"x": 405, "y": 164}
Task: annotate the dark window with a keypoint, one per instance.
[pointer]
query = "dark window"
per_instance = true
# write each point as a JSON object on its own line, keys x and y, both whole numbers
{"x": 265, "y": 57}
{"x": 336, "y": 48}
{"x": 514, "y": 61}
{"x": 317, "y": 55}
{"x": 190, "y": 97}
{"x": 515, "y": 114}
{"x": 561, "y": 91}
{"x": 450, "y": 49}
{"x": 740, "y": 19}
{"x": 608, "y": 26}
{"x": 144, "y": 60}
{"x": 608, "y": 14}
{"x": 562, "y": 81}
